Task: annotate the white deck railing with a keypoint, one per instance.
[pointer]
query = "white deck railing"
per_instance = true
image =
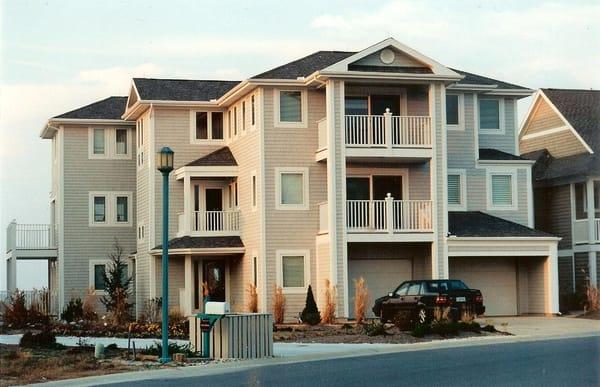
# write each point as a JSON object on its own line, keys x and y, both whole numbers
{"x": 389, "y": 215}
{"x": 45, "y": 301}
{"x": 30, "y": 236}
{"x": 581, "y": 231}
{"x": 212, "y": 221}
{"x": 381, "y": 131}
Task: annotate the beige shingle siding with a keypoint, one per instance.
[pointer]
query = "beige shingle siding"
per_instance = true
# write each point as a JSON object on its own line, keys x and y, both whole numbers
{"x": 83, "y": 243}
{"x": 553, "y": 212}
{"x": 287, "y": 147}
{"x": 543, "y": 118}
{"x": 440, "y": 148}
{"x": 461, "y": 143}
{"x": 561, "y": 144}
{"x": 322, "y": 268}
{"x": 506, "y": 141}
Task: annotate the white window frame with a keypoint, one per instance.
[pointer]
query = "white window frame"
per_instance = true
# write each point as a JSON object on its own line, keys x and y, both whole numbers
{"x": 514, "y": 194}
{"x": 496, "y": 131}
{"x": 303, "y": 109}
{"x": 141, "y": 231}
{"x": 110, "y": 144}
{"x": 305, "y": 194}
{"x": 461, "y": 113}
{"x": 462, "y": 173}
{"x": 111, "y": 208}
{"x": 284, "y": 253}
{"x": 91, "y": 279}
{"x": 253, "y": 190}
{"x": 209, "y": 139}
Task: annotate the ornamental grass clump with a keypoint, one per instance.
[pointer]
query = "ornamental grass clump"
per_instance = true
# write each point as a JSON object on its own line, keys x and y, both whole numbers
{"x": 361, "y": 299}
{"x": 310, "y": 315}
{"x": 592, "y": 302}
{"x": 252, "y": 304}
{"x": 278, "y": 305}
{"x": 328, "y": 314}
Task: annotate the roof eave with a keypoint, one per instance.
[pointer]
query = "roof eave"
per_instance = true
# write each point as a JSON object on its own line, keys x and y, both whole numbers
{"x": 381, "y": 75}
{"x": 524, "y": 162}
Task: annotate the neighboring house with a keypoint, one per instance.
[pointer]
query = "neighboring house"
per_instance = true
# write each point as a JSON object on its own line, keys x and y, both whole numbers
{"x": 381, "y": 163}
{"x": 562, "y": 133}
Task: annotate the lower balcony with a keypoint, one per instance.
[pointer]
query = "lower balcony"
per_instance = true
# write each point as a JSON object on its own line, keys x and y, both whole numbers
{"x": 581, "y": 231}
{"x": 210, "y": 223}
{"x": 389, "y": 219}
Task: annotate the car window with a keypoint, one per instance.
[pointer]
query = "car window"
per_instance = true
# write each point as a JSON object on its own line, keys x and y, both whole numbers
{"x": 432, "y": 287}
{"x": 401, "y": 291}
{"x": 458, "y": 285}
{"x": 414, "y": 288}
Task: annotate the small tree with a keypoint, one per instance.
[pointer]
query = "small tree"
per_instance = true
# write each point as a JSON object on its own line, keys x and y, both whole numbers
{"x": 116, "y": 286}
{"x": 310, "y": 314}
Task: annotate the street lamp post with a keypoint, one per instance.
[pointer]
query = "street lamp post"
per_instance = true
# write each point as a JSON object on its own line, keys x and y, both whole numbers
{"x": 164, "y": 163}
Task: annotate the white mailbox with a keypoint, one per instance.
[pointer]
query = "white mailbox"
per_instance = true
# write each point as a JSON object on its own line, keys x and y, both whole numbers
{"x": 212, "y": 307}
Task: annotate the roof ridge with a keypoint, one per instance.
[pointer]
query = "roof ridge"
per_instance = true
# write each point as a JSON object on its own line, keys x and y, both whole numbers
{"x": 88, "y": 105}
{"x": 577, "y": 90}
{"x": 187, "y": 79}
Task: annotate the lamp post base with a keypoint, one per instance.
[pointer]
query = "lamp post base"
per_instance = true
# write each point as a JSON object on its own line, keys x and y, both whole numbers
{"x": 164, "y": 360}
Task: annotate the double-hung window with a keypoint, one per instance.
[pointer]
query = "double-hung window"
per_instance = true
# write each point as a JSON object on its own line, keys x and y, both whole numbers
{"x": 293, "y": 270}
{"x": 490, "y": 116}
{"x": 291, "y": 188}
{"x": 99, "y": 142}
{"x": 99, "y": 271}
{"x": 457, "y": 197}
{"x": 109, "y": 143}
{"x": 502, "y": 190}
{"x": 206, "y": 126}
{"x": 99, "y": 209}
{"x": 454, "y": 111}
{"x": 121, "y": 141}
{"x": 122, "y": 209}
{"x": 110, "y": 209}
{"x": 290, "y": 108}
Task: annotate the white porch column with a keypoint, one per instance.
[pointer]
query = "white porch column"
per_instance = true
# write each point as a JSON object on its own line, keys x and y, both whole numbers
{"x": 189, "y": 286}
{"x": 389, "y": 213}
{"x": 591, "y": 213}
{"x": 187, "y": 205}
{"x": 11, "y": 273}
{"x": 552, "y": 273}
{"x": 387, "y": 126}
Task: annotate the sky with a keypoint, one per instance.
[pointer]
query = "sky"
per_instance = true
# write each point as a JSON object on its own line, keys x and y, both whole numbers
{"x": 59, "y": 55}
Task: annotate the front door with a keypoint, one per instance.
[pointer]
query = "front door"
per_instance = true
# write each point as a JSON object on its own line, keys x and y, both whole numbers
{"x": 213, "y": 273}
{"x": 381, "y": 102}
{"x": 382, "y": 185}
{"x": 214, "y": 209}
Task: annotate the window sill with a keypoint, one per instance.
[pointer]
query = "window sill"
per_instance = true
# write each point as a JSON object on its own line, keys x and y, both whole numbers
{"x": 291, "y": 125}
{"x": 207, "y": 142}
{"x": 294, "y": 290}
{"x": 497, "y": 132}
{"x": 291, "y": 207}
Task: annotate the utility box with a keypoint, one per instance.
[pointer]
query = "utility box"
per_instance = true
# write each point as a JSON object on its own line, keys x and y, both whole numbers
{"x": 234, "y": 336}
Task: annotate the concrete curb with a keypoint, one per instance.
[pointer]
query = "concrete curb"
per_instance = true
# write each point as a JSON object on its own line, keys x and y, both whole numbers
{"x": 222, "y": 368}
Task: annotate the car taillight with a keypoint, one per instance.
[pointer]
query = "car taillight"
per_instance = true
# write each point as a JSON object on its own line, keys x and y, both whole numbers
{"x": 441, "y": 300}
{"x": 479, "y": 299}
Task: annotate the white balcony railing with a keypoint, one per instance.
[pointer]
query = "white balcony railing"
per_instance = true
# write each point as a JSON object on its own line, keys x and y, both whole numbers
{"x": 222, "y": 222}
{"x": 387, "y": 131}
{"x": 581, "y": 231}
{"x": 389, "y": 215}
{"x": 30, "y": 236}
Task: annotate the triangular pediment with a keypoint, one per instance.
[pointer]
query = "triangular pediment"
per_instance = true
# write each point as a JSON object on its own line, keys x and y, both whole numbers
{"x": 133, "y": 96}
{"x": 391, "y": 56}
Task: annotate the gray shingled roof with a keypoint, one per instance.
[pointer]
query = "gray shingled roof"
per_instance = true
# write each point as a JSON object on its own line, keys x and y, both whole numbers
{"x": 319, "y": 60}
{"x": 582, "y": 109}
{"x": 181, "y": 89}
{"x": 220, "y": 157}
{"x": 187, "y": 242}
{"x": 110, "y": 108}
{"x": 479, "y": 224}
{"x": 550, "y": 171}
{"x": 495, "y": 154}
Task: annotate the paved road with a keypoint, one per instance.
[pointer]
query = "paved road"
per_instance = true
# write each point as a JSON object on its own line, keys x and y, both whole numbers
{"x": 565, "y": 362}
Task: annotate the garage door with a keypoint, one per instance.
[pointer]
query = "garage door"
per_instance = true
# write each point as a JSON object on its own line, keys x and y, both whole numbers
{"x": 381, "y": 276}
{"x": 495, "y": 277}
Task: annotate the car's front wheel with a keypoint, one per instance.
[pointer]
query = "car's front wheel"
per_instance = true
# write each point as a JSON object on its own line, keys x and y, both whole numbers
{"x": 421, "y": 316}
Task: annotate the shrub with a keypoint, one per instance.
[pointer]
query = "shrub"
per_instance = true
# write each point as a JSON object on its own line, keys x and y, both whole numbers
{"x": 420, "y": 330}
{"x": 445, "y": 328}
{"x": 278, "y": 305}
{"x": 310, "y": 314}
{"x": 73, "y": 311}
{"x": 44, "y": 339}
{"x": 156, "y": 349}
{"x": 469, "y": 326}
{"x": 152, "y": 310}
{"x": 89, "y": 305}
{"x": 15, "y": 311}
{"x": 402, "y": 320}
{"x": 374, "y": 328}
{"x": 467, "y": 315}
{"x": 328, "y": 315}
{"x": 361, "y": 299}
{"x": 117, "y": 284}
{"x": 441, "y": 314}
{"x": 252, "y": 304}
{"x": 592, "y": 302}
{"x": 572, "y": 301}
{"x": 489, "y": 328}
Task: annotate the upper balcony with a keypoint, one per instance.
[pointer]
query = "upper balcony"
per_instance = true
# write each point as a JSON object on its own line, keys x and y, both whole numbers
{"x": 210, "y": 223}
{"x": 31, "y": 240}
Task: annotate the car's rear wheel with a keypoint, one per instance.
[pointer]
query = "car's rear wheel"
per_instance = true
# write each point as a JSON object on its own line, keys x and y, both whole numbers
{"x": 421, "y": 316}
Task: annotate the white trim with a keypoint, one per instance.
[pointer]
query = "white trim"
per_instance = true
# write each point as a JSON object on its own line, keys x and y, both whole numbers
{"x": 501, "y": 119}
{"x": 461, "y": 113}
{"x": 508, "y": 163}
{"x": 476, "y": 125}
{"x": 92, "y": 263}
{"x": 263, "y": 223}
{"x": 205, "y": 171}
{"x": 332, "y": 199}
{"x": 305, "y": 188}
{"x": 209, "y": 251}
{"x": 303, "y": 109}
{"x": 530, "y": 201}
{"x": 110, "y": 208}
{"x": 546, "y": 132}
{"x": 305, "y": 253}
{"x": 435, "y": 274}
{"x": 462, "y": 173}
{"x": 444, "y": 202}
{"x": 489, "y": 172}
{"x": 342, "y": 134}
{"x": 61, "y": 220}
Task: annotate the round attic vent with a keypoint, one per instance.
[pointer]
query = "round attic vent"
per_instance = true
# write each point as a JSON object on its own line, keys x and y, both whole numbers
{"x": 387, "y": 56}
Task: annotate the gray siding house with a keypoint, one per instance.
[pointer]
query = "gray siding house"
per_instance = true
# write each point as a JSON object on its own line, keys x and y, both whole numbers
{"x": 562, "y": 134}
{"x": 382, "y": 163}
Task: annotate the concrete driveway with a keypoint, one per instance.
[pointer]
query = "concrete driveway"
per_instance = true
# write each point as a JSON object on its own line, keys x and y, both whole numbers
{"x": 543, "y": 326}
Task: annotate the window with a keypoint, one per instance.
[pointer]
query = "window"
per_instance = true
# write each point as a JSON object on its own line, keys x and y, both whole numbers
{"x": 291, "y": 108}
{"x": 457, "y": 188}
{"x": 402, "y": 289}
{"x": 140, "y": 143}
{"x": 99, "y": 209}
{"x": 122, "y": 211}
{"x": 99, "y": 142}
{"x": 235, "y": 194}
{"x": 141, "y": 232}
{"x": 454, "y": 111}
{"x": 292, "y": 188}
{"x": 490, "y": 116}
{"x": 99, "y": 273}
{"x": 121, "y": 140}
{"x": 255, "y": 270}
{"x": 253, "y": 116}
{"x": 502, "y": 190}
{"x": 235, "y": 121}
{"x": 243, "y": 116}
{"x": 110, "y": 209}
{"x": 206, "y": 126}
{"x": 356, "y": 105}
{"x": 414, "y": 288}
{"x": 293, "y": 270}
{"x": 254, "y": 190}
{"x": 229, "y": 127}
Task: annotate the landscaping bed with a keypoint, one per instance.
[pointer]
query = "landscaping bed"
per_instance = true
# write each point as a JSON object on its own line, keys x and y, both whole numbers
{"x": 372, "y": 333}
